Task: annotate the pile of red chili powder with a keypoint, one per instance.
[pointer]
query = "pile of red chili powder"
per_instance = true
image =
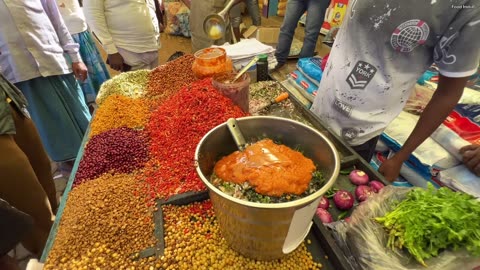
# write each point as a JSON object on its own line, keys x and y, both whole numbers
{"x": 118, "y": 150}
{"x": 175, "y": 129}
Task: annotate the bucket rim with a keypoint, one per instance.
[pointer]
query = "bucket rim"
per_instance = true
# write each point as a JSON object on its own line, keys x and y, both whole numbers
{"x": 300, "y": 202}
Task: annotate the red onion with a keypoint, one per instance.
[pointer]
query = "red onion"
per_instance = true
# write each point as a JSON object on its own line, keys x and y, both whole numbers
{"x": 324, "y": 215}
{"x": 358, "y": 177}
{"x": 343, "y": 200}
{"x": 376, "y": 185}
{"x": 324, "y": 203}
{"x": 362, "y": 192}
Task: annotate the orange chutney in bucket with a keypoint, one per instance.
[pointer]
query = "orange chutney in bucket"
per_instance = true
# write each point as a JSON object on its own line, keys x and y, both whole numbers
{"x": 211, "y": 61}
{"x": 272, "y": 169}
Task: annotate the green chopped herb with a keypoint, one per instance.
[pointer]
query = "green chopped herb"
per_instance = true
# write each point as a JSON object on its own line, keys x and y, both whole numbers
{"x": 429, "y": 221}
{"x": 342, "y": 215}
{"x": 331, "y": 192}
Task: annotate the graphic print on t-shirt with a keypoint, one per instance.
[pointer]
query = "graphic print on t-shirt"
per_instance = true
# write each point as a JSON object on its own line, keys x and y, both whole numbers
{"x": 342, "y": 107}
{"x": 408, "y": 35}
{"x": 361, "y": 75}
{"x": 349, "y": 133}
{"x": 440, "y": 51}
{"x": 353, "y": 3}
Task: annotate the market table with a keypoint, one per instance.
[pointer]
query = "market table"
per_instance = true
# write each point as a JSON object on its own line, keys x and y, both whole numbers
{"x": 319, "y": 242}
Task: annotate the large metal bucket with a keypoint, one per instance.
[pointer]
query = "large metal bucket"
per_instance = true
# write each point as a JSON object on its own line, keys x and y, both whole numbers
{"x": 257, "y": 230}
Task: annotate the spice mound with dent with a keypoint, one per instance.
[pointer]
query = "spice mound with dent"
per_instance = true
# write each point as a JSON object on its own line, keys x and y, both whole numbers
{"x": 119, "y": 111}
{"x": 175, "y": 129}
{"x": 105, "y": 221}
{"x": 271, "y": 168}
{"x": 119, "y": 150}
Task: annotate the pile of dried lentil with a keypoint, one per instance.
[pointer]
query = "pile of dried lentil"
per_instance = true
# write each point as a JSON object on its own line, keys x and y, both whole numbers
{"x": 175, "y": 129}
{"x": 119, "y": 150}
{"x": 104, "y": 223}
{"x": 119, "y": 111}
{"x": 168, "y": 79}
{"x": 193, "y": 241}
{"x": 130, "y": 84}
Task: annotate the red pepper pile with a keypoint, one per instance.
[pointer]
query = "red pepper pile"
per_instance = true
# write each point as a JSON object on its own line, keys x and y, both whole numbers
{"x": 175, "y": 129}
{"x": 120, "y": 150}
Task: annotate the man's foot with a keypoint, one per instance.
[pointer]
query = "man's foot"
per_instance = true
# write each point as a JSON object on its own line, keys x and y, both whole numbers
{"x": 278, "y": 66}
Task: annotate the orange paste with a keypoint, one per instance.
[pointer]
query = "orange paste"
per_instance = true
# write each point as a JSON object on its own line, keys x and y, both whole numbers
{"x": 272, "y": 169}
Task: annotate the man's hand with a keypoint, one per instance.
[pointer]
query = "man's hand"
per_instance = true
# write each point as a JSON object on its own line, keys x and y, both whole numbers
{"x": 80, "y": 71}
{"x": 115, "y": 61}
{"x": 390, "y": 168}
{"x": 471, "y": 157}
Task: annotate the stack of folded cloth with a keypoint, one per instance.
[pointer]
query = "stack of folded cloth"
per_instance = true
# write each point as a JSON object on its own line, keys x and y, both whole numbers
{"x": 242, "y": 52}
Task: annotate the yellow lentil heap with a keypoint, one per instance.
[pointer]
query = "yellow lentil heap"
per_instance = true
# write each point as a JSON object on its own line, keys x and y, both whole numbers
{"x": 103, "y": 224}
{"x": 120, "y": 111}
{"x": 130, "y": 84}
{"x": 193, "y": 241}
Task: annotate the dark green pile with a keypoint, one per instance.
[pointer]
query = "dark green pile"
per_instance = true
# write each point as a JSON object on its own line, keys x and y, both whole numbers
{"x": 429, "y": 221}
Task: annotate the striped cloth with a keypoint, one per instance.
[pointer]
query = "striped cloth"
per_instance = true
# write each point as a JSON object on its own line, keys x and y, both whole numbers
{"x": 97, "y": 70}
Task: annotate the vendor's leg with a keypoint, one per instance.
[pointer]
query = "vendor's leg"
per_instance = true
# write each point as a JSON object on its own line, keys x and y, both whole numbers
{"x": 199, "y": 10}
{"x": 137, "y": 61}
{"x": 8, "y": 263}
{"x": 28, "y": 140}
{"x": 21, "y": 188}
{"x": 60, "y": 114}
{"x": 153, "y": 59}
{"x": 315, "y": 17}
{"x": 295, "y": 10}
{"x": 254, "y": 12}
{"x": 235, "y": 21}
{"x": 367, "y": 150}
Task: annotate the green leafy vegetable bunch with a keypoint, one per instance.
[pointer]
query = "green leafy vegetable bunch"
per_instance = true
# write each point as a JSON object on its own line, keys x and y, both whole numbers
{"x": 430, "y": 220}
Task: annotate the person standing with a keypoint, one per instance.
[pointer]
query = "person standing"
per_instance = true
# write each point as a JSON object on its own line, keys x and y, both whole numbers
{"x": 199, "y": 10}
{"x": 35, "y": 54}
{"x": 380, "y": 51}
{"x": 236, "y": 17}
{"x": 74, "y": 19}
{"x": 26, "y": 181}
{"x": 315, "y": 16}
{"x": 128, "y": 31}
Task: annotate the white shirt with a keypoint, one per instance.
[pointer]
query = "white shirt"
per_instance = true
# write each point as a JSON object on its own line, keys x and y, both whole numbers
{"x": 72, "y": 16}
{"x": 381, "y": 50}
{"x": 128, "y": 24}
{"x": 34, "y": 40}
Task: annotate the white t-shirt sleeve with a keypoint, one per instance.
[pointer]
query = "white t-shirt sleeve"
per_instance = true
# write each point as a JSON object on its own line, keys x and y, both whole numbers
{"x": 457, "y": 53}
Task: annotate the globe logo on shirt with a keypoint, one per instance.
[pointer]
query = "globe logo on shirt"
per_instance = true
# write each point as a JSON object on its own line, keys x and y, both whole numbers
{"x": 408, "y": 35}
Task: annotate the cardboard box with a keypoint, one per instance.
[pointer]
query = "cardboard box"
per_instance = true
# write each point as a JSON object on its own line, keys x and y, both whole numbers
{"x": 266, "y": 35}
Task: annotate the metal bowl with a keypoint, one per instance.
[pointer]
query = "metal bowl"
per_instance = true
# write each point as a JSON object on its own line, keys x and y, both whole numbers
{"x": 259, "y": 230}
{"x": 214, "y": 26}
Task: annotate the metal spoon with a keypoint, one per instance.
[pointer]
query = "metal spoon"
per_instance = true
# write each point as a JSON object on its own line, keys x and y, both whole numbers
{"x": 236, "y": 133}
{"x": 245, "y": 68}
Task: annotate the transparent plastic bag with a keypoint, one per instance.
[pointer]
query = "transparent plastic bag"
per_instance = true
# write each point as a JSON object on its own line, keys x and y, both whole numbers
{"x": 363, "y": 241}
